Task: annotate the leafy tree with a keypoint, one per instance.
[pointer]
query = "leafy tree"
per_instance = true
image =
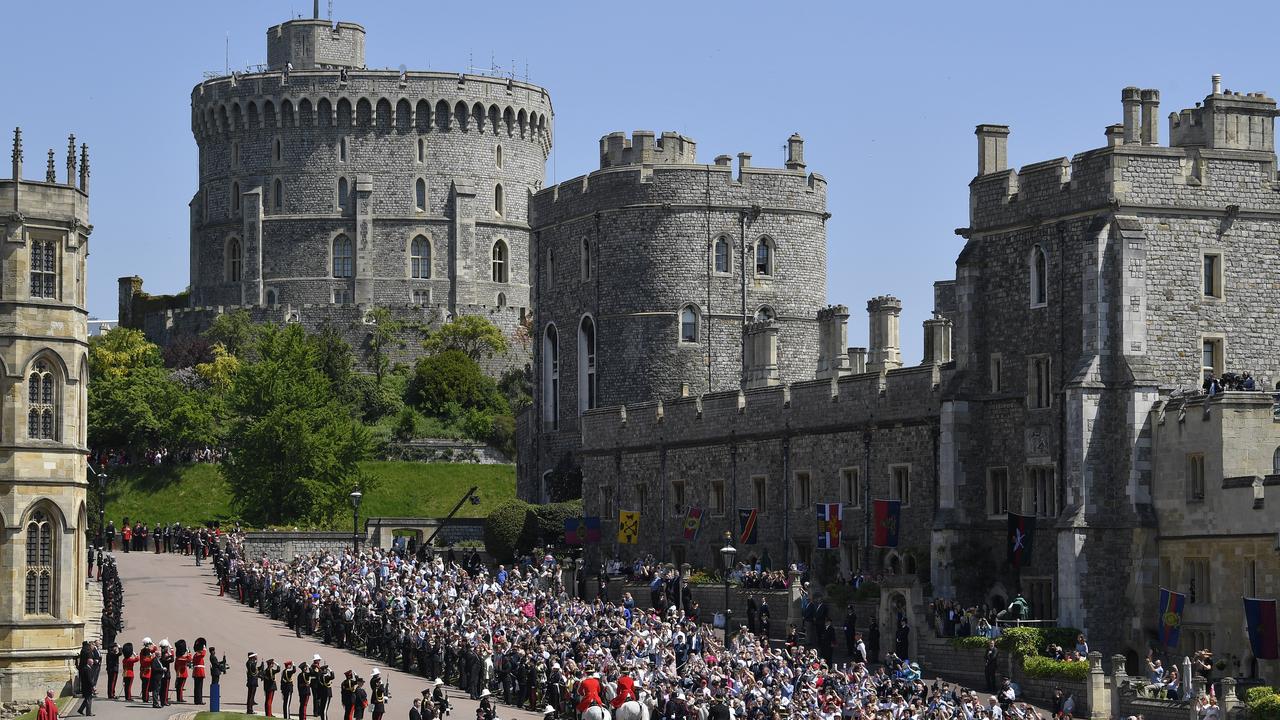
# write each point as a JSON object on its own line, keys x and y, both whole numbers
{"x": 187, "y": 351}
{"x": 293, "y": 446}
{"x": 475, "y": 336}
{"x": 235, "y": 331}
{"x": 221, "y": 370}
{"x": 126, "y": 408}
{"x": 384, "y": 334}
{"x": 517, "y": 385}
{"x": 450, "y": 378}
{"x": 120, "y": 350}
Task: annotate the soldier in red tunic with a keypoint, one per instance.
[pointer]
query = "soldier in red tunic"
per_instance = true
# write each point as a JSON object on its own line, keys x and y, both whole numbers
{"x": 589, "y": 691}
{"x": 130, "y": 661}
{"x": 199, "y": 668}
{"x": 181, "y": 663}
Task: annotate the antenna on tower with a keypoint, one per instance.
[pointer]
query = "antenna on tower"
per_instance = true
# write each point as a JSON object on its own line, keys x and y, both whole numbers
{"x": 315, "y": 10}
{"x": 226, "y": 55}
{"x": 330, "y": 10}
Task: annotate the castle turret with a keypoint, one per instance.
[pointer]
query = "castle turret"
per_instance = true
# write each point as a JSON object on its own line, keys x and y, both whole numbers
{"x": 993, "y": 147}
{"x": 1150, "y": 120}
{"x": 885, "y": 351}
{"x": 315, "y": 44}
{"x": 795, "y": 152}
{"x": 1131, "y": 101}
{"x": 937, "y": 340}
{"x": 833, "y": 341}
{"x": 1226, "y": 120}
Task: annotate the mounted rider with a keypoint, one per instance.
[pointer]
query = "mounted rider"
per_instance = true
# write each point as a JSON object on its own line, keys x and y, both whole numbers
{"x": 626, "y": 691}
{"x": 589, "y": 690}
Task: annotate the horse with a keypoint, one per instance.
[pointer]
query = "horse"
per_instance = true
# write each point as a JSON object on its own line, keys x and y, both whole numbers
{"x": 633, "y": 709}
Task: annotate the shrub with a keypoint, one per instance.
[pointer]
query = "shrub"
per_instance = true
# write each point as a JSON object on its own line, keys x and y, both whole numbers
{"x": 1020, "y": 641}
{"x": 1257, "y": 693}
{"x": 1036, "y": 666}
{"x": 450, "y": 380}
{"x": 548, "y": 521}
{"x": 406, "y": 426}
{"x": 1263, "y": 704}
{"x": 477, "y": 424}
{"x": 506, "y": 530}
{"x": 380, "y": 401}
{"x": 970, "y": 642}
{"x": 503, "y": 435}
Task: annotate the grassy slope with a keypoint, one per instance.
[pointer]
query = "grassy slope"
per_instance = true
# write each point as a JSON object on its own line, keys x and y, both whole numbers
{"x": 196, "y": 493}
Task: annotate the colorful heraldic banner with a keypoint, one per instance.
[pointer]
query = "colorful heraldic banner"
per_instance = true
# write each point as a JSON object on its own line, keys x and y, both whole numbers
{"x": 582, "y": 530}
{"x": 886, "y": 517}
{"x": 628, "y": 527}
{"x": 830, "y": 523}
{"x": 1260, "y": 617}
{"x": 1171, "y": 604}
{"x": 747, "y": 534}
{"x": 692, "y": 524}
{"x": 1022, "y": 529}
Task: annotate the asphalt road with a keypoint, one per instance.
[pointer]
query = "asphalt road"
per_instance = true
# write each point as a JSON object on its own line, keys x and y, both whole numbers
{"x": 167, "y": 596}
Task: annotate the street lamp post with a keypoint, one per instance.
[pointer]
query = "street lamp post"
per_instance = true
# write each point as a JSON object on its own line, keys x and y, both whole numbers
{"x": 355, "y": 519}
{"x": 729, "y": 552}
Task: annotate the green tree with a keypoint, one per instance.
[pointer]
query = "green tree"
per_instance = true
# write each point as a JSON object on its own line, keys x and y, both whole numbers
{"x": 126, "y": 408}
{"x": 473, "y": 335}
{"x": 517, "y": 385}
{"x": 383, "y": 335}
{"x": 452, "y": 378}
{"x": 119, "y": 350}
{"x": 235, "y": 331}
{"x": 293, "y": 445}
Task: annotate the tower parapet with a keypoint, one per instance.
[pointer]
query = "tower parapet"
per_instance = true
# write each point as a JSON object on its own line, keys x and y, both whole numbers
{"x": 641, "y": 149}
{"x": 312, "y": 44}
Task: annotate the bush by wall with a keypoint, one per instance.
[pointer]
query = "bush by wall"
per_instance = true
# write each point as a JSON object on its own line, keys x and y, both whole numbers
{"x": 1263, "y": 704}
{"x": 1037, "y": 666}
{"x": 504, "y": 530}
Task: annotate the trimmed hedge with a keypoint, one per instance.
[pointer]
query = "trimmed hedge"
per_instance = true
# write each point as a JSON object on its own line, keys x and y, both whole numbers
{"x": 517, "y": 527}
{"x": 1037, "y": 666}
{"x": 1026, "y": 641}
{"x": 1263, "y": 704}
{"x": 970, "y": 642}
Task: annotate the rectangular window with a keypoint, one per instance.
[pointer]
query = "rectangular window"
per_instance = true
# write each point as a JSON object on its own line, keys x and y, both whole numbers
{"x": 1211, "y": 362}
{"x": 677, "y": 498}
{"x": 341, "y": 296}
{"x": 997, "y": 491}
{"x": 1195, "y": 572}
{"x": 759, "y": 486}
{"x": 1040, "y": 496}
{"x": 642, "y": 496}
{"x": 851, "y": 482}
{"x": 1044, "y": 605}
{"x": 802, "y": 490}
{"x": 717, "y": 498}
{"x": 606, "y": 500}
{"x": 44, "y": 268}
{"x": 994, "y": 366}
{"x": 1038, "y": 385}
{"x": 421, "y": 297}
{"x": 1213, "y": 275}
{"x": 1195, "y": 476}
{"x": 900, "y": 483}
{"x": 1193, "y": 638}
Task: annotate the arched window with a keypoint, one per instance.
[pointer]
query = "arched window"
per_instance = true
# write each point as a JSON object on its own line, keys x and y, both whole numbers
{"x": 722, "y": 255}
{"x": 500, "y": 262}
{"x": 497, "y": 199}
{"x": 342, "y": 257}
{"x": 271, "y": 298}
{"x": 234, "y": 260}
{"x": 235, "y": 154}
{"x": 497, "y": 156}
{"x": 586, "y": 259}
{"x": 342, "y": 150}
{"x": 235, "y": 197}
{"x": 586, "y": 364}
{"x": 502, "y": 300}
{"x": 765, "y": 313}
{"x": 1275, "y": 462}
{"x": 1039, "y": 277}
{"x": 275, "y": 150}
{"x": 44, "y": 269}
{"x": 42, "y": 403}
{"x": 764, "y": 257}
{"x": 551, "y": 377}
{"x": 277, "y": 194}
{"x": 420, "y": 195}
{"x": 344, "y": 193}
{"x": 688, "y": 324}
{"x": 40, "y": 564}
{"x": 422, "y": 150}
{"x": 420, "y": 258}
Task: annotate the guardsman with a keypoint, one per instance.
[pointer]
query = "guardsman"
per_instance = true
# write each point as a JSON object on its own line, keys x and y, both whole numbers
{"x": 252, "y": 674}
{"x": 378, "y": 694}
{"x": 270, "y": 675}
{"x": 359, "y": 700}
{"x": 144, "y": 665}
{"x": 589, "y": 692}
{"x": 626, "y": 691}
{"x": 198, "y": 668}
{"x": 181, "y": 665}
{"x": 130, "y": 662}
{"x": 347, "y": 694}
{"x": 286, "y": 686}
{"x": 304, "y": 689}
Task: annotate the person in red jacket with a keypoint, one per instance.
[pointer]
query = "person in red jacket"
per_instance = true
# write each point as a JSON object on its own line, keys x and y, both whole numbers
{"x": 589, "y": 691}
{"x": 181, "y": 663}
{"x": 130, "y": 661}
{"x": 198, "y": 667}
{"x": 626, "y": 691}
{"x": 48, "y": 707}
{"x": 144, "y": 665}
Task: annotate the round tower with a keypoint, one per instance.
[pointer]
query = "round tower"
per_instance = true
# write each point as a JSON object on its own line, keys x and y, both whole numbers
{"x": 326, "y": 186}
{"x": 650, "y": 269}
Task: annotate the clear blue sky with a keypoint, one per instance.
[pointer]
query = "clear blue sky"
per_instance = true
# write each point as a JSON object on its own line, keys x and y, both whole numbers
{"x": 886, "y": 95}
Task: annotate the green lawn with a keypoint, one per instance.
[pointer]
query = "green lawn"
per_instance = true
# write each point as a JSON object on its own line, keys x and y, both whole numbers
{"x": 194, "y": 494}
{"x": 223, "y": 716}
{"x": 65, "y": 704}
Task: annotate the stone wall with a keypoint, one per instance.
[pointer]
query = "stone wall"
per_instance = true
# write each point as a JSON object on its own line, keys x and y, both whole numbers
{"x": 967, "y": 666}
{"x": 433, "y": 450}
{"x": 287, "y": 545}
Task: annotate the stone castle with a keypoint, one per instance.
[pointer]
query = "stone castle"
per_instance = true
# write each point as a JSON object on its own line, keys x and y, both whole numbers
{"x": 43, "y": 471}
{"x": 1061, "y": 379}
{"x": 327, "y": 188}
{"x": 684, "y": 355}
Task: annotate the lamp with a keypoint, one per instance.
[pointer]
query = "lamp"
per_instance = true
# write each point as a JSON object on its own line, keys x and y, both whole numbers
{"x": 729, "y": 552}
{"x": 355, "y": 519}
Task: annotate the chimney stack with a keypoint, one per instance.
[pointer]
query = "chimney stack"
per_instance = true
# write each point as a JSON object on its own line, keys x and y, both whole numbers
{"x": 885, "y": 352}
{"x": 1131, "y": 98}
{"x": 1150, "y": 122}
{"x": 795, "y": 152}
{"x": 1217, "y": 84}
{"x": 993, "y": 145}
{"x": 760, "y": 354}
{"x": 937, "y": 340}
{"x": 1115, "y": 135}
{"x": 833, "y": 338}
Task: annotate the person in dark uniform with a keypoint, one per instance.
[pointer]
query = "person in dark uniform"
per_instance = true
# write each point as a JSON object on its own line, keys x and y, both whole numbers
{"x": 719, "y": 709}
{"x": 286, "y": 686}
{"x": 827, "y": 641}
{"x": 252, "y": 675}
{"x": 873, "y": 642}
{"x": 764, "y": 617}
{"x": 989, "y": 660}
{"x": 157, "y": 677}
{"x": 270, "y": 676}
{"x": 321, "y": 688}
{"x": 900, "y": 639}
{"x": 86, "y": 664}
{"x": 850, "y": 627}
{"x": 752, "y": 612}
{"x": 439, "y": 698}
{"x": 111, "y": 536}
{"x": 217, "y": 668}
{"x": 378, "y": 694}
{"x": 304, "y": 689}
{"x": 359, "y": 700}
{"x": 347, "y": 693}
{"x": 113, "y": 669}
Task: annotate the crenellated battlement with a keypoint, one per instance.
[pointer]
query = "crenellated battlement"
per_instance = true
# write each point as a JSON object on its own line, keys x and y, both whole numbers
{"x": 901, "y": 396}
{"x": 641, "y": 148}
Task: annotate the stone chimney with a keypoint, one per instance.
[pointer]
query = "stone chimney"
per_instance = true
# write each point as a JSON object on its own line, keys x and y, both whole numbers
{"x": 1216, "y": 81}
{"x": 885, "y": 352}
{"x": 760, "y": 354}
{"x": 1131, "y": 99}
{"x": 833, "y": 339}
{"x": 993, "y": 146}
{"x": 937, "y": 340}
{"x": 1115, "y": 135}
{"x": 795, "y": 152}
{"x": 857, "y": 360}
{"x": 724, "y": 160}
{"x": 1150, "y": 123}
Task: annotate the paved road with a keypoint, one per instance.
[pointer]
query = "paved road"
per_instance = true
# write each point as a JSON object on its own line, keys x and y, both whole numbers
{"x": 166, "y": 596}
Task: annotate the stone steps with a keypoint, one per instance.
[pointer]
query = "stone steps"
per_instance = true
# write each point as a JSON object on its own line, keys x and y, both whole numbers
{"x": 93, "y": 610}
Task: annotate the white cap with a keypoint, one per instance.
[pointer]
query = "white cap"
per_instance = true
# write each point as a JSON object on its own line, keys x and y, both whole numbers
{"x": 146, "y": 641}
{"x": 164, "y": 642}
{"x": 316, "y": 657}
{"x": 375, "y": 672}
{"x": 437, "y": 681}
{"x": 485, "y": 693}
